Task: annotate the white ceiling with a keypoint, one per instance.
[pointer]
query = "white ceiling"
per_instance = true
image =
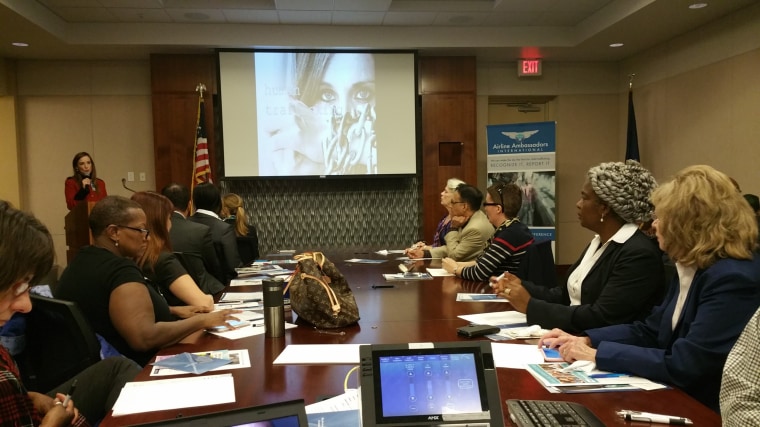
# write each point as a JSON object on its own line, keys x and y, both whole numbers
{"x": 492, "y": 30}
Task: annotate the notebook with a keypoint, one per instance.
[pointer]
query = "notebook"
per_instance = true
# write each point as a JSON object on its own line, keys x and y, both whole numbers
{"x": 538, "y": 413}
{"x": 422, "y": 384}
{"x": 285, "y": 414}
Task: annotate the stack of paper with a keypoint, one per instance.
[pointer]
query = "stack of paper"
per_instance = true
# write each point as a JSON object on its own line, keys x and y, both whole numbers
{"x": 161, "y": 395}
{"x": 556, "y": 378}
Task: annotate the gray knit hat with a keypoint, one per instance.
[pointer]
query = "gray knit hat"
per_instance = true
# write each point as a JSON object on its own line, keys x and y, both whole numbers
{"x": 625, "y": 188}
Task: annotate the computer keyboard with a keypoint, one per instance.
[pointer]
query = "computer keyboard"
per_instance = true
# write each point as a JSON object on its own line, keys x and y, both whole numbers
{"x": 539, "y": 413}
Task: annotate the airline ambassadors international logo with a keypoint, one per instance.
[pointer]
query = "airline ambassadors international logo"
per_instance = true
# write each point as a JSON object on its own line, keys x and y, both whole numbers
{"x": 518, "y": 143}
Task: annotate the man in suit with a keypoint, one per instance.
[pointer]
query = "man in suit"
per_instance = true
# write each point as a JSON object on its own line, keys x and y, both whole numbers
{"x": 208, "y": 203}
{"x": 194, "y": 242}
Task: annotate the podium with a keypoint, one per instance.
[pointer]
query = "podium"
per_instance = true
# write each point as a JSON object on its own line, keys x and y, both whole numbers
{"x": 77, "y": 226}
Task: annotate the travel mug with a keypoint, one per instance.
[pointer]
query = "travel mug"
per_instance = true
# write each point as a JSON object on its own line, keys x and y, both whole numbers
{"x": 274, "y": 311}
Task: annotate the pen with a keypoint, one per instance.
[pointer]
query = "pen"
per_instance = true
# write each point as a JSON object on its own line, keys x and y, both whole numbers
{"x": 71, "y": 391}
{"x": 610, "y": 375}
{"x": 381, "y": 286}
{"x": 653, "y": 418}
{"x": 257, "y": 325}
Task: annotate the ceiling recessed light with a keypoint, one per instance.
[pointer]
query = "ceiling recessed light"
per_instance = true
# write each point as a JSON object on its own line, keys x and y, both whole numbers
{"x": 20, "y": 44}
{"x": 697, "y": 5}
{"x": 616, "y": 45}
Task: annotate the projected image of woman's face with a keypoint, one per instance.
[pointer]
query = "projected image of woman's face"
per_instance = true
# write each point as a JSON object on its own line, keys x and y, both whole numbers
{"x": 317, "y": 113}
{"x": 346, "y": 97}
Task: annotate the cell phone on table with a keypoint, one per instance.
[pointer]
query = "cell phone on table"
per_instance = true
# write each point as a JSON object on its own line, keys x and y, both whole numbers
{"x": 471, "y": 331}
{"x": 232, "y": 324}
{"x": 551, "y": 354}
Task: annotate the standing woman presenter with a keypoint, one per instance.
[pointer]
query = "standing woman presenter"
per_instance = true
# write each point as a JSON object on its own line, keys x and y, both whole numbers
{"x": 84, "y": 184}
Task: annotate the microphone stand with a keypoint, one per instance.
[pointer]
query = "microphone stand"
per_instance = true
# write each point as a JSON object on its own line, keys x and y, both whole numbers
{"x": 124, "y": 184}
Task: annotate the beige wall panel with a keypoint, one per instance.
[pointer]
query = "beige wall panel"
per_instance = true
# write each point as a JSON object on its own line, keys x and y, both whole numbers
{"x": 123, "y": 134}
{"x": 52, "y": 130}
{"x": 587, "y": 127}
{"x": 121, "y": 78}
{"x": 10, "y": 184}
{"x": 46, "y": 78}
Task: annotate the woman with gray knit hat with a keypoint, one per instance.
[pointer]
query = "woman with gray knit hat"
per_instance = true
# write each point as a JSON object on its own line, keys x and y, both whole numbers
{"x": 619, "y": 276}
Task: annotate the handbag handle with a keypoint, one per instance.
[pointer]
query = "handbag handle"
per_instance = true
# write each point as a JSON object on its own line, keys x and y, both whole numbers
{"x": 318, "y": 257}
{"x": 334, "y": 304}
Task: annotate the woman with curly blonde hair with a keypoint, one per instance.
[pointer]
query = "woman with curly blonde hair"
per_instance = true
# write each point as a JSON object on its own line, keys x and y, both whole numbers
{"x": 704, "y": 224}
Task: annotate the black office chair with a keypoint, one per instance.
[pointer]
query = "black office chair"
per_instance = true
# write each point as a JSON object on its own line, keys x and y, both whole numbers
{"x": 537, "y": 265}
{"x": 248, "y": 247}
{"x": 60, "y": 343}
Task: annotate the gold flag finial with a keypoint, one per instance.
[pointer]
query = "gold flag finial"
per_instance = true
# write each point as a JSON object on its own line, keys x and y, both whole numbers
{"x": 630, "y": 81}
{"x": 200, "y": 88}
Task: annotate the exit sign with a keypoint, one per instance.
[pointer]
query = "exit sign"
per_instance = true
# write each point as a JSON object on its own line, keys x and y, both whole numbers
{"x": 528, "y": 67}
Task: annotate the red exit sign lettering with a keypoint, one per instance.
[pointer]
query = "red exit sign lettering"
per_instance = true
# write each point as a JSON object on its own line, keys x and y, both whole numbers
{"x": 529, "y": 67}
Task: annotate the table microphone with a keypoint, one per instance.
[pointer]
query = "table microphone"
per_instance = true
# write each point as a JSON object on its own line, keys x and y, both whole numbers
{"x": 124, "y": 184}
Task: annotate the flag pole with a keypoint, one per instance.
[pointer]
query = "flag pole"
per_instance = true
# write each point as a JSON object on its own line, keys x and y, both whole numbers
{"x": 632, "y": 136}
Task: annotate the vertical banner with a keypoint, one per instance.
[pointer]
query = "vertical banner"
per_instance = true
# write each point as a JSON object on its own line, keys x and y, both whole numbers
{"x": 524, "y": 153}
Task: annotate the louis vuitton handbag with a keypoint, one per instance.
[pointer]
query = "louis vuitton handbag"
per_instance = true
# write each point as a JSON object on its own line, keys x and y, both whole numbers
{"x": 320, "y": 294}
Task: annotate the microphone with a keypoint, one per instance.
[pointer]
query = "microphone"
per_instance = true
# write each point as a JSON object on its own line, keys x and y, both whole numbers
{"x": 124, "y": 184}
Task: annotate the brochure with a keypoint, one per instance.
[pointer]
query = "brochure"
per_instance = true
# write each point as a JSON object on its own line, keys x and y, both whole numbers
{"x": 407, "y": 276}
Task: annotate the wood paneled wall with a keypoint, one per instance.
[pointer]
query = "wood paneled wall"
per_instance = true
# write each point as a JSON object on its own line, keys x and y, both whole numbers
{"x": 175, "y": 109}
{"x": 448, "y": 89}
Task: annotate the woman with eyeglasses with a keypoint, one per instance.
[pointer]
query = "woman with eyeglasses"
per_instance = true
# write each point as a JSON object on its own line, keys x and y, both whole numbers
{"x": 26, "y": 257}
{"x": 619, "y": 276}
{"x": 704, "y": 225}
{"x": 84, "y": 184}
{"x": 159, "y": 264}
{"x": 509, "y": 242}
{"x": 107, "y": 284}
{"x": 448, "y": 221}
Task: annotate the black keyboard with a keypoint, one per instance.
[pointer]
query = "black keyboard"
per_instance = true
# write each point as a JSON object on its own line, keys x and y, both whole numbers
{"x": 539, "y": 413}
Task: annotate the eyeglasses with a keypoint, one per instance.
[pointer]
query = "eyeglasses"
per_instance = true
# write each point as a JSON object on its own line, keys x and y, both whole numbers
{"x": 490, "y": 204}
{"x": 145, "y": 231}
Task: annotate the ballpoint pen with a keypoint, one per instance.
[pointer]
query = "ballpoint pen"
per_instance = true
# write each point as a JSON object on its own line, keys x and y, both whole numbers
{"x": 649, "y": 417}
{"x": 71, "y": 391}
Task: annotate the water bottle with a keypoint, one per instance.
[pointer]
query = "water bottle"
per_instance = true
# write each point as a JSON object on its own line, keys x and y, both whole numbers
{"x": 274, "y": 311}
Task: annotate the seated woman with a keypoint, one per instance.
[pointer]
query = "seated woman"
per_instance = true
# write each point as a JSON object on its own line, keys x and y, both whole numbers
{"x": 508, "y": 244}
{"x": 620, "y": 275}
{"x": 26, "y": 257}
{"x": 247, "y": 238}
{"x": 106, "y": 283}
{"x": 160, "y": 266}
{"x": 447, "y": 221}
{"x": 704, "y": 224}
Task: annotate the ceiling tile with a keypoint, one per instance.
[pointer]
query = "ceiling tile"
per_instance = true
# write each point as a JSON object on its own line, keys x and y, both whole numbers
{"x": 220, "y": 4}
{"x": 249, "y": 16}
{"x": 134, "y": 4}
{"x": 409, "y": 18}
{"x": 70, "y": 3}
{"x": 363, "y": 5}
{"x": 141, "y": 15}
{"x": 304, "y": 5}
{"x": 305, "y": 17}
{"x": 512, "y": 19}
{"x": 460, "y": 19}
{"x": 201, "y": 16}
{"x": 358, "y": 18}
{"x": 85, "y": 14}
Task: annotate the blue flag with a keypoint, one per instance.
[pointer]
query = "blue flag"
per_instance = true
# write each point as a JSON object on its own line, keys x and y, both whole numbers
{"x": 632, "y": 140}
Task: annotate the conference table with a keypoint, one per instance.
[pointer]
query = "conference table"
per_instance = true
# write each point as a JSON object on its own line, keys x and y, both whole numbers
{"x": 410, "y": 311}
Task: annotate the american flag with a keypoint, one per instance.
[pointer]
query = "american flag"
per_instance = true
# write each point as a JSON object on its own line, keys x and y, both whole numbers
{"x": 202, "y": 170}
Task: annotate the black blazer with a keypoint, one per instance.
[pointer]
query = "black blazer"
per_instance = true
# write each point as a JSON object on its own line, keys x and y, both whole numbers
{"x": 623, "y": 286}
{"x": 195, "y": 239}
{"x": 223, "y": 236}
